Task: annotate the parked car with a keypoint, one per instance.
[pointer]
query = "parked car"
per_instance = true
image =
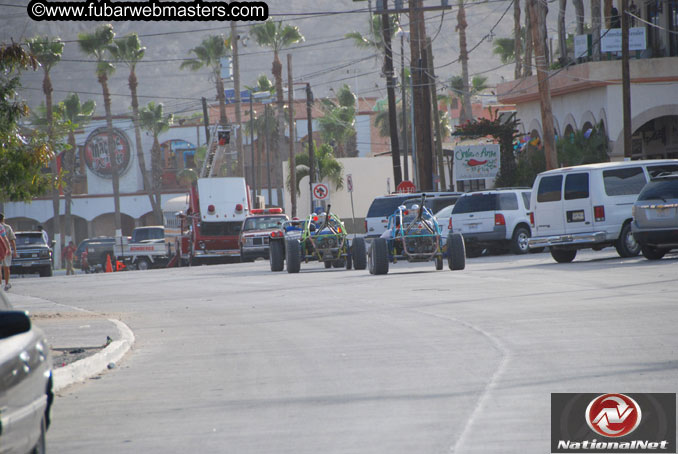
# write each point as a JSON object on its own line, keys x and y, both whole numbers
{"x": 495, "y": 218}
{"x": 97, "y": 250}
{"x": 384, "y": 206}
{"x": 34, "y": 255}
{"x": 589, "y": 206}
{"x": 25, "y": 382}
{"x": 655, "y": 217}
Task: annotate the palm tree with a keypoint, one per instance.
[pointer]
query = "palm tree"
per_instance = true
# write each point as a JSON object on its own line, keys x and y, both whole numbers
{"x": 153, "y": 119}
{"x": 505, "y": 48}
{"x": 48, "y": 52}
{"x": 456, "y": 85}
{"x": 595, "y": 28}
{"x": 128, "y": 50}
{"x": 337, "y": 125}
{"x": 75, "y": 116}
{"x": 374, "y": 40}
{"x": 275, "y": 36}
{"x": 466, "y": 113}
{"x": 264, "y": 125}
{"x": 517, "y": 39}
{"x": 562, "y": 33}
{"x": 97, "y": 45}
{"x": 327, "y": 166}
{"x": 579, "y": 13}
{"x": 208, "y": 54}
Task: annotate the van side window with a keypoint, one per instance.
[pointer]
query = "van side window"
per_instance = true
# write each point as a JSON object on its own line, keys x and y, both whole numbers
{"x": 550, "y": 189}
{"x": 655, "y": 171}
{"x": 577, "y": 186}
{"x": 626, "y": 181}
{"x": 508, "y": 202}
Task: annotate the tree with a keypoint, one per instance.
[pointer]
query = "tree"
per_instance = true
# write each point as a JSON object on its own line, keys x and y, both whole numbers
{"x": 97, "y": 44}
{"x": 562, "y": 33}
{"x": 505, "y": 48}
{"x": 327, "y": 166}
{"x": 74, "y": 115}
{"x": 517, "y": 40}
{"x": 128, "y": 50}
{"x": 595, "y": 28}
{"x": 374, "y": 40}
{"x": 23, "y": 153}
{"x": 456, "y": 86}
{"x": 337, "y": 125}
{"x": 48, "y": 52}
{"x": 264, "y": 125}
{"x": 152, "y": 118}
{"x": 275, "y": 36}
{"x": 208, "y": 55}
{"x": 466, "y": 113}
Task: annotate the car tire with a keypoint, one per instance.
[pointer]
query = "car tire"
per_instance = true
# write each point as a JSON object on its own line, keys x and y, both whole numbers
{"x": 46, "y": 271}
{"x": 41, "y": 446}
{"x": 456, "y": 252}
{"x": 626, "y": 245}
{"x": 439, "y": 262}
{"x": 652, "y": 253}
{"x": 359, "y": 253}
{"x": 143, "y": 264}
{"x": 378, "y": 257}
{"x": 293, "y": 256}
{"x": 519, "y": 241}
{"x": 277, "y": 255}
{"x": 328, "y": 265}
{"x": 245, "y": 258}
{"x": 563, "y": 255}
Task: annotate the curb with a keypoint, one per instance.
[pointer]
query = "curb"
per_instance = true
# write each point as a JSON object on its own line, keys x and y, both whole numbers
{"x": 86, "y": 368}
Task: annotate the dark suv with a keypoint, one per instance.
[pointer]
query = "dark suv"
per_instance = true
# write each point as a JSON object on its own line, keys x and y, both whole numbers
{"x": 97, "y": 250}
{"x": 655, "y": 217}
{"x": 34, "y": 255}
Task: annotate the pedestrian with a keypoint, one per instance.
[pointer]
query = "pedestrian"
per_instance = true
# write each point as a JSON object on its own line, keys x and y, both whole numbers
{"x": 84, "y": 263}
{"x": 45, "y": 237}
{"x": 7, "y": 259}
{"x": 68, "y": 256}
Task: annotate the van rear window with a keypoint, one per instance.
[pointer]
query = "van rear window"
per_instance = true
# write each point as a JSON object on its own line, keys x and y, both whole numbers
{"x": 384, "y": 207}
{"x": 577, "y": 186}
{"x": 550, "y": 189}
{"x": 476, "y": 203}
{"x": 657, "y": 170}
{"x": 625, "y": 181}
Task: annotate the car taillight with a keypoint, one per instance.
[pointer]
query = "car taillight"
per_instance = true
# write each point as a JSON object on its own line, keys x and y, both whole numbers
{"x": 238, "y": 207}
{"x": 449, "y": 224}
{"x": 532, "y": 219}
{"x": 276, "y": 234}
{"x": 365, "y": 226}
{"x": 499, "y": 219}
{"x": 599, "y": 213}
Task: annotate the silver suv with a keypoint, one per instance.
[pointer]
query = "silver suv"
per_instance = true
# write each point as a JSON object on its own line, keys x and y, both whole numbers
{"x": 496, "y": 218}
{"x": 655, "y": 217}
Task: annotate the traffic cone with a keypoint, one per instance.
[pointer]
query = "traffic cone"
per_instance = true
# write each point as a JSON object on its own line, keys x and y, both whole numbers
{"x": 109, "y": 265}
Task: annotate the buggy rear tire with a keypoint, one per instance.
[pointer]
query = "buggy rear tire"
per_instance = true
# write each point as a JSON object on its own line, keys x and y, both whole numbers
{"x": 293, "y": 256}
{"x": 378, "y": 257}
{"x": 359, "y": 253}
{"x": 563, "y": 255}
{"x": 439, "y": 262}
{"x": 456, "y": 252}
{"x": 339, "y": 263}
{"x": 328, "y": 264}
{"x": 349, "y": 259}
{"x": 276, "y": 255}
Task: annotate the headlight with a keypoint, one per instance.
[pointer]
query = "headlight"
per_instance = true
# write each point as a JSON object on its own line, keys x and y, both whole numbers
{"x": 44, "y": 253}
{"x": 201, "y": 245}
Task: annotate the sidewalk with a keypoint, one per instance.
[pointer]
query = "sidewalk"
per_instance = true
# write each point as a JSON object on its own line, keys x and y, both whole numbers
{"x": 83, "y": 343}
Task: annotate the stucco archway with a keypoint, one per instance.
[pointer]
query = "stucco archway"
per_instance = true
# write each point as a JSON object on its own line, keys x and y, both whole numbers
{"x": 638, "y": 121}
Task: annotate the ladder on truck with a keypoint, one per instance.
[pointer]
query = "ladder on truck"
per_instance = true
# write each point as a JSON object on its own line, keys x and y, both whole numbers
{"x": 215, "y": 150}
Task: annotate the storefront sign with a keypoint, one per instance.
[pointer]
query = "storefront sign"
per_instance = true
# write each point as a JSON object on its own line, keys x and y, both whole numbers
{"x": 610, "y": 40}
{"x": 97, "y": 156}
{"x": 472, "y": 162}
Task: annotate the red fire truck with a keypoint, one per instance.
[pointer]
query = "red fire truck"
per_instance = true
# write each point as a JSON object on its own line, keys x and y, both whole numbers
{"x": 211, "y": 226}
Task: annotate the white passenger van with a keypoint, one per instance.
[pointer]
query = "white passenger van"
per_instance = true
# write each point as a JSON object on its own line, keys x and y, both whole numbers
{"x": 589, "y": 206}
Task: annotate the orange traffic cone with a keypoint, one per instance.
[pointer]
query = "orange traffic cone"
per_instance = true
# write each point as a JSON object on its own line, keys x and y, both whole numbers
{"x": 109, "y": 265}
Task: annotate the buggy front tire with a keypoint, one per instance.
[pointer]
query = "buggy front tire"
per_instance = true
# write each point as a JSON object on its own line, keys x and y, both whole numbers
{"x": 456, "y": 252}
{"x": 378, "y": 257}
{"x": 276, "y": 255}
{"x": 439, "y": 262}
{"x": 293, "y": 256}
{"x": 359, "y": 253}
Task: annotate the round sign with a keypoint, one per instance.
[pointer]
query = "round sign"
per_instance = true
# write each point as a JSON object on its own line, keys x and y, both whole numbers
{"x": 320, "y": 191}
{"x": 97, "y": 156}
{"x": 406, "y": 186}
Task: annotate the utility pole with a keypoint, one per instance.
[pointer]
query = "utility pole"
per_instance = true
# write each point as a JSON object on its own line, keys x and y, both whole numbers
{"x": 311, "y": 152}
{"x": 268, "y": 155}
{"x": 254, "y": 178}
{"x": 626, "y": 80}
{"x": 436, "y": 116}
{"x": 390, "y": 91}
{"x": 404, "y": 103}
{"x": 206, "y": 121}
{"x": 548, "y": 132}
{"x": 236, "y": 86}
{"x": 421, "y": 98}
{"x": 292, "y": 161}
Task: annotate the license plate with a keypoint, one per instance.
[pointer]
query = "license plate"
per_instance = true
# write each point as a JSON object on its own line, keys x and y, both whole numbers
{"x": 26, "y": 264}
{"x": 472, "y": 226}
{"x": 34, "y": 255}
{"x": 257, "y": 241}
{"x": 664, "y": 212}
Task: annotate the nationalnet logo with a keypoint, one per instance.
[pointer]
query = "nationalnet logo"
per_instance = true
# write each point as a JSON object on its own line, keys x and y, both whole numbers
{"x": 613, "y": 422}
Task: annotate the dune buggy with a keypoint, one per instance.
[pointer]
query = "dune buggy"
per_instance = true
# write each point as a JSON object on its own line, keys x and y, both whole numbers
{"x": 321, "y": 238}
{"x": 414, "y": 235}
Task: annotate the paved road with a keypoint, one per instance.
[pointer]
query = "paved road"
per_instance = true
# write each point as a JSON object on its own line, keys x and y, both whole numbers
{"x": 236, "y": 359}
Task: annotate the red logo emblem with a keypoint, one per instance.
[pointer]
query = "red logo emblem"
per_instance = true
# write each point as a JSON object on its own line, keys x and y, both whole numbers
{"x": 613, "y": 415}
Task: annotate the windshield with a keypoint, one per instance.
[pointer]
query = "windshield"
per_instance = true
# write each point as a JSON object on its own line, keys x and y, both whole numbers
{"x": 148, "y": 234}
{"x": 475, "y": 203}
{"x": 662, "y": 189}
{"x": 263, "y": 223}
{"x": 25, "y": 239}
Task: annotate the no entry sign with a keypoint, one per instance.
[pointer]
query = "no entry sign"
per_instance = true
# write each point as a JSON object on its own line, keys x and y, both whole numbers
{"x": 320, "y": 192}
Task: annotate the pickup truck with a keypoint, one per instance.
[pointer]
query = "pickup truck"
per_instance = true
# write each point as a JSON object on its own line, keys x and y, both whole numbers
{"x": 97, "y": 249}
{"x": 146, "y": 248}
{"x": 34, "y": 255}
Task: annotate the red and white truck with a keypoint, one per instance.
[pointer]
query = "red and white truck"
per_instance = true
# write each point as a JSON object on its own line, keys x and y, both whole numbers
{"x": 211, "y": 226}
